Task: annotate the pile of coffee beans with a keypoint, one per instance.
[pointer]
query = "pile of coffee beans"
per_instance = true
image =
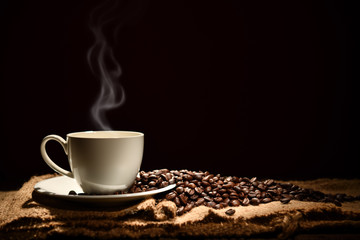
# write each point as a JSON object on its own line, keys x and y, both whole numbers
{"x": 196, "y": 188}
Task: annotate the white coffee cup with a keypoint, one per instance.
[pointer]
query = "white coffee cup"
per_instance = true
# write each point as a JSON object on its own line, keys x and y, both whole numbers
{"x": 102, "y": 162}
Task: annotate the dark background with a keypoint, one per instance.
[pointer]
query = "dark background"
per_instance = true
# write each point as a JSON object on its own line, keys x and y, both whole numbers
{"x": 243, "y": 88}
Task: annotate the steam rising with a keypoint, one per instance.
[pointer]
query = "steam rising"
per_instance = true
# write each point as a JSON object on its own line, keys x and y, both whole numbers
{"x": 105, "y": 67}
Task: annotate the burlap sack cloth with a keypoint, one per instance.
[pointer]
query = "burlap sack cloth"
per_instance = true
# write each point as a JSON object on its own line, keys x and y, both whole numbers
{"x": 21, "y": 217}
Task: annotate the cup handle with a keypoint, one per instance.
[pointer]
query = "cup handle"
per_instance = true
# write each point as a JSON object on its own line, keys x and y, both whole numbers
{"x": 46, "y": 158}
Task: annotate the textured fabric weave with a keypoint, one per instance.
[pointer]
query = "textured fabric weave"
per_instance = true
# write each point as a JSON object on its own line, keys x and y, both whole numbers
{"x": 26, "y": 214}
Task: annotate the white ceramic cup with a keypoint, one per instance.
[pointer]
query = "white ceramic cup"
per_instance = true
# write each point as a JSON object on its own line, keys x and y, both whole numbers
{"x": 102, "y": 162}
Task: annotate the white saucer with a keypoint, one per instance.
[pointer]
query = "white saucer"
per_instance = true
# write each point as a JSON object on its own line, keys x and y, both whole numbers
{"x": 59, "y": 187}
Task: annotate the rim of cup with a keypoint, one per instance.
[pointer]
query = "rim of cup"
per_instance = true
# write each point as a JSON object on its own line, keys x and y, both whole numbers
{"x": 106, "y": 134}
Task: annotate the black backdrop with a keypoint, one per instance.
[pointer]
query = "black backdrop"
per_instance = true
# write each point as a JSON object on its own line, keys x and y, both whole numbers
{"x": 236, "y": 87}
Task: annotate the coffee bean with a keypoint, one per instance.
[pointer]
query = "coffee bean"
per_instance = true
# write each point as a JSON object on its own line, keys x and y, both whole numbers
{"x": 191, "y": 185}
{"x": 225, "y": 195}
{"x": 266, "y": 200}
{"x": 254, "y": 201}
{"x": 198, "y": 190}
{"x": 164, "y": 177}
{"x": 206, "y": 178}
{"x": 252, "y": 194}
{"x": 180, "y": 211}
{"x": 228, "y": 185}
{"x": 180, "y": 183}
{"x": 218, "y": 199}
{"x": 198, "y": 176}
{"x": 179, "y": 190}
{"x": 230, "y": 212}
{"x": 234, "y": 195}
{"x": 261, "y": 187}
{"x": 211, "y": 204}
{"x": 268, "y": 182}
{"x": 207, "y": 198}
{"x": 285, "y": 200}
{"x": 153, "y": 176}
{"x": 245, "y": 202}
{"x": 234, "y": 202}
{"x": 183, "y": 198}
{"x": 177, "y": 201}
{"x": 226, "y": 200}
{"x": 191, "y": 192}
{"x": 237, "y": 189}
{"x": 170, "y": 195}
{"x": 152, "y": 184}
{"x": 208, "y": 189}
{"x": 205, "y": 183}
{"x": 164, "y": 184}
{"x": 188, "y": 177}
{"x": 200, "y": 201}
{"x": 189, "y": 206}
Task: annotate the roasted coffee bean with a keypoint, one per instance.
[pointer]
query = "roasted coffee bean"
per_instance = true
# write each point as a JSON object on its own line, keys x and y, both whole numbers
{"x": 180, "y": 211}
{"x": 177, "y": 201}
{"x": 208, "y": 189}
{"x": 234, "y": 202}
{"x": 226, "y": 200}
{"x": 198, "y": 190}
{"x": 200, "y": 201}
{"x": 164, "y": 184}
{"x": 189, "y": 206}
{"x": 211, "y": 204}
{"x": 266, "y": 200}
{"x": 224, "y": 205}
{"x": 183, "y": 198}
{"x": 245, "y": 202}
{"x": 205, "y": 183}
{"x": 237, "y": 189}
{"x": 207, "y": 198}
{"x": 188, "y": 177}
{"x": 254, "y": 201}
{"x": 170, "y": 195}
{"x": 164, "y": 177}
{"x": 72, "y": 192}
{"x": 180, "y": 183}
{"x": 179, "y": 190}
{"x": 246, "y": 191}
{"x": 152, "y": 184}
{"x": 230, "y": 212}
{"x": 218, "y": 199}
{"x": 194, "y": 197}
{"x": 153, "y": 176}
{"x": 228, "y": 185}
{"x": 191, "y": 185}
{"x": 285, "y": 200}
{"x": 218, "y": 206}
{"x": 225, "y": 195}
{"x": 191, "y": 192}
{"x": 261, "y": 187}
{"x": 198, "y": 176}
{"x": 252, "y": 194}
{"x": 234, "y": 195}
